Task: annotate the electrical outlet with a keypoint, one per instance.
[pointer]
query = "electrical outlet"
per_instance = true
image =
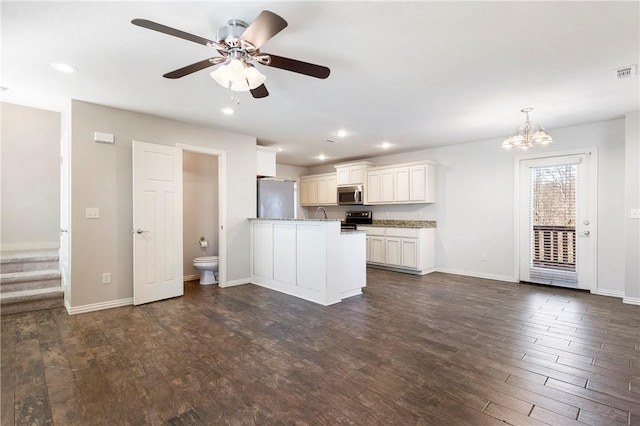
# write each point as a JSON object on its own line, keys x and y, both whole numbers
{"x": 483, "y": 257}
{"x": 106, "y": 278}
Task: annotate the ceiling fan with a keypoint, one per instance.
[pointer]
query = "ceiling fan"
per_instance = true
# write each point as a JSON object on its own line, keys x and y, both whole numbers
{"x": 239, "y": 44}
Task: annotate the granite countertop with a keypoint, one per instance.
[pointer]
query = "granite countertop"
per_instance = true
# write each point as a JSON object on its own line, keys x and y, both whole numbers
{"x": 298, "y": 220}
{"x": 387, "y": 223}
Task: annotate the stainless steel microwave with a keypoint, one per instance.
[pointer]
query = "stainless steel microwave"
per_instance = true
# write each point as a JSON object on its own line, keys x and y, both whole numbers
{"x": 350, "y": 195}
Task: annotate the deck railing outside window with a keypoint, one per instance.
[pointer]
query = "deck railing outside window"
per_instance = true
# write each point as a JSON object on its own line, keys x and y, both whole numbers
{"x": 554, "y": 247}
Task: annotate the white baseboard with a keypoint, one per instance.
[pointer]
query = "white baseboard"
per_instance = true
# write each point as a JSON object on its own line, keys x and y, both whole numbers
{"x": 98, "y": 306}
{"x": 47, "y": 245}
{"x": 477, "y": 274}
{"x": 631, "y": 300}
{"x": 610, "y": 293}
{"x": 232, "y": 283}
{"x": 191, "y": 277}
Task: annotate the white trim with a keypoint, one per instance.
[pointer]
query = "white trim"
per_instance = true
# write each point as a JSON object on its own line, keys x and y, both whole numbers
{"x": 233, "y": 283}
{"x": 610, "y": 293}
{"x": 631, "y": 300}
{"x": 222, "y": 206}
{"x": 45, "y": 245}
{"x": 191, "y": 277}
{"x": 482, "y": 275}
{"x": 92, "y": 307}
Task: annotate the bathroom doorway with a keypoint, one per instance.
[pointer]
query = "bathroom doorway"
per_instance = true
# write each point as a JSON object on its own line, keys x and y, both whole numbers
{"x": 204, "y": 208}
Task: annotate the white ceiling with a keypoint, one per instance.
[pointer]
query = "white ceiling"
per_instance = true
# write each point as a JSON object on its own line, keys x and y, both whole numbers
{"x": 416, "y": 74}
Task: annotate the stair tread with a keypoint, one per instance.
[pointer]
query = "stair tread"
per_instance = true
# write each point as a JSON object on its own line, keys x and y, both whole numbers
{"x": 31, "y": 294}
{"x": 29, "y": 256}
{"x": 46, "y": 274}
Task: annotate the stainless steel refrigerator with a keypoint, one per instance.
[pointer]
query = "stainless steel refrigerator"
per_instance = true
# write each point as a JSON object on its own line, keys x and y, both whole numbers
{"x": 276, "y": 199}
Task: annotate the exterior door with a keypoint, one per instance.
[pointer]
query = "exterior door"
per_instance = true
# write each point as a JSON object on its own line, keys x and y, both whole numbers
{"x": 157, "y": 222}
{"x": 557, "y": 221}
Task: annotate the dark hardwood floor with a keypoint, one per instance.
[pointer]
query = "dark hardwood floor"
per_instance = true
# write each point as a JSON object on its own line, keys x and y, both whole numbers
{"x": 439, "y": 349}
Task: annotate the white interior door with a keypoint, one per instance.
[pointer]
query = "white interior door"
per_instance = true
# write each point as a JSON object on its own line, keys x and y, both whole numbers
{"x": 561, "y": 251}
{"x": 157, "y": 222}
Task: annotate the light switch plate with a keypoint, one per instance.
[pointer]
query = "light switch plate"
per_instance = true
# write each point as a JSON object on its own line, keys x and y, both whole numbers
{"x": 635, "y": 214}
{"x": 92, "y": 213}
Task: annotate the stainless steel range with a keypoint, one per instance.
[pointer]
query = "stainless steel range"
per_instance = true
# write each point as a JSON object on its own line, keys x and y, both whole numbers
{"x": 353, "y": 219}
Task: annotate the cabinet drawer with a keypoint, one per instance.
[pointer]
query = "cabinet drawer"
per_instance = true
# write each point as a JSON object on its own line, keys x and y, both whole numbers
{"x": 403, "y": 232}
{"x": 372, "y": 230}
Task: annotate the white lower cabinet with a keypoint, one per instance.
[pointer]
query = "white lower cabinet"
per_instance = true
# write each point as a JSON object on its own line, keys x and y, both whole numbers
{"x": 309, "y": 259}
{"x": 409, "y": 250}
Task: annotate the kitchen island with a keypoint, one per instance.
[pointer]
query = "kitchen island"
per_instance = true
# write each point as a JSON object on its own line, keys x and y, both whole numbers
{"x": 310, "y": 259}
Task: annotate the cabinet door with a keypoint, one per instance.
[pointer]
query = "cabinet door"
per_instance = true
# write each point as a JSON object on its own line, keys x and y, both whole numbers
{"x": 393, "y": 248}
{"x": 284, "y": 253}
{"x": 376, "y": 249}
{"x": 368, "y": 253}
{"x": 304, "y": 192}
{"x": 343, "y": 176}
{"x": 373, "y": 188}
{"x": 356, "y": 175}
{"x": 409, "y": 253}
{"x": 311, "y": 263}
{"x": 402, "y": 185}
{"x": 313, "y": 191}
{"x": 418, "y": 183}
{"x": 386, "y": 186}
{"x": 332, "y": 190}
{"x": 322, "y": 191}
{"x": 263, "y": 250}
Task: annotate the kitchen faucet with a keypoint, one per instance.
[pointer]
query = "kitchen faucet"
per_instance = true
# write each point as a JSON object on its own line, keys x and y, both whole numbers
{"x": 315, "y": 216}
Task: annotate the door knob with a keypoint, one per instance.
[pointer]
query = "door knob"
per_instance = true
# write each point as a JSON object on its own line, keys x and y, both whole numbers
{"x": 140, "y": 231}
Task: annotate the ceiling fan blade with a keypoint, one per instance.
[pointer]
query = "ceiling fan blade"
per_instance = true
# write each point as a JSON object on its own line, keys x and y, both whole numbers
{"x": 260, "y": 92}
{"x": 189, "y": 69}
{"x": 265, "y": 26}
{"x": 144, "y": 23}
{"x": 300, "y": 67}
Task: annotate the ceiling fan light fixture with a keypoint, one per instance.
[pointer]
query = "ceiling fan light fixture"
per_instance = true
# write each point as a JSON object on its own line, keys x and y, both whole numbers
{"x": 238, "y": 76}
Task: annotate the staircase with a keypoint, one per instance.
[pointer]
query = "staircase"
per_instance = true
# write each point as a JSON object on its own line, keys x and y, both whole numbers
{"x": 29, "y": 281}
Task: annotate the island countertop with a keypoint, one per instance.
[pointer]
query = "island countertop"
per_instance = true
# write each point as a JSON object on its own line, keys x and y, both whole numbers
{"x": 297, "y": 220}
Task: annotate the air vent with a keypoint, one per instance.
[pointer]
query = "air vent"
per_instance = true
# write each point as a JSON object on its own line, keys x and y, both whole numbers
{"x": 625, "y": 72}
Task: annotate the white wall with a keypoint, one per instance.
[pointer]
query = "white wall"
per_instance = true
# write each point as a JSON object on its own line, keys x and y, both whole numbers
{"x": 200, "y": 207}
{"x": 30, "y": 164}
{"x": 101, "y": 177}
{"x": 474, "y": 207}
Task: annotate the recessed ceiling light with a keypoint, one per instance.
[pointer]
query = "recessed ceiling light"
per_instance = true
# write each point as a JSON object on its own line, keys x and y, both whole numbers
{"x": 385, "y": 145}
{"x": 342, "y": 133}
{"x": 227, "y": 111}
{"x": 64, "y": 67}
{"x": 279, "y": 149}
{"x": 322, "y": 157}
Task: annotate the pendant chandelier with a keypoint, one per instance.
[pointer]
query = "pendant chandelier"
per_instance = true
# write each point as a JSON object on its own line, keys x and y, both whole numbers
{"x": 526, "y": 136}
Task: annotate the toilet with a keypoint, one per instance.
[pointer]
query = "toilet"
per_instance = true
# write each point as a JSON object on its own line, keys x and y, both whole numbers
{"x": 208, "y": 267}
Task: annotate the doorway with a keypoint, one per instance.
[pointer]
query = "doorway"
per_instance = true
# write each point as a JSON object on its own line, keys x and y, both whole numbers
{"x": 556, "y": 217}
{"x": 221, "y": 222}
{"x": 158, "y": 220}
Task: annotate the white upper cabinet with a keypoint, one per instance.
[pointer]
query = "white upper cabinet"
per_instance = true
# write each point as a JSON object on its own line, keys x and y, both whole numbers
{"x": 352, "y": 173}
{"x": 318, "y": 190}
{"x": 401, "y": 184}
{"x": 266, "y": 161}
